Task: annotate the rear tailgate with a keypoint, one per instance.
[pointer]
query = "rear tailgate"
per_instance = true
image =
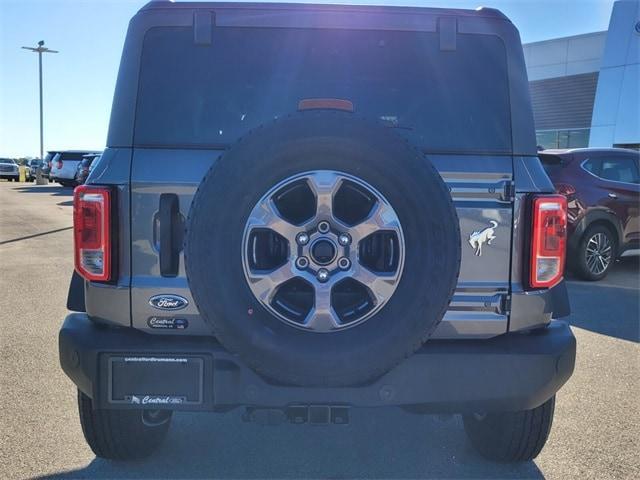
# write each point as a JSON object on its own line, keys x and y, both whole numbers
{"x": 65, "y": 165}
{"x": 187, "y": 115}
{"x": 481, "y": 188}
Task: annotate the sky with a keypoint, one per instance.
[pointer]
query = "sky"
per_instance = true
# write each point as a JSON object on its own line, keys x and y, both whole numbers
{"x": 80, "y": 80}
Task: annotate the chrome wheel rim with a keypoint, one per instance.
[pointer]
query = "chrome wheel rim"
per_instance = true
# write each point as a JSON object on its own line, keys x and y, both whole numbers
{"x": 599, "y": 253}
{"x": 323, "y": 251}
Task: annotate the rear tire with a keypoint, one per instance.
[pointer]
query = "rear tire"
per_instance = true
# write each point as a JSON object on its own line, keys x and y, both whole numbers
{"x": 122, "y": 434}
{"x": 588, "y": 267}
{"x": 511, "y": 436}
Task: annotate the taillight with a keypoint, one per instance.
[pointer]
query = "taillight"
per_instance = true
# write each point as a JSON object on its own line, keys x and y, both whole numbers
{"x": 549, "y": 240}
{"x": 565, "y": 189}
{"x": 59, "y": 164}
{"x": 92, "y": 232}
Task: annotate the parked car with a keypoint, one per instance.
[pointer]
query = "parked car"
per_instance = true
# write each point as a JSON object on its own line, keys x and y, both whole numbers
{"x": 64, "y": 167}
{"x": 9, "y": 169}
{"x": 305, "y": 259}
{"x": 27, "y": 171}
{"x": 47, "y": 162}
{"x": 31, "y": 169}
{"x": 603, "y": 195}
{"x": 85, "y": 166}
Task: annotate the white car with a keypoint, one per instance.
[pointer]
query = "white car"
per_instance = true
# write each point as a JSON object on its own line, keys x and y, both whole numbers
{"x": 9, "y": 169}
{"x": 64, "y": 166}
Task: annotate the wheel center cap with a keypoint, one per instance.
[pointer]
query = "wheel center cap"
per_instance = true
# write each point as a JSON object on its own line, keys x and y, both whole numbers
{"x": 323, "y": 252}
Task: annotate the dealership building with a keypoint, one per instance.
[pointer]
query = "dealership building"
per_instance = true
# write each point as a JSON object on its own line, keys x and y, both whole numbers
{"x": 585, "y": 88}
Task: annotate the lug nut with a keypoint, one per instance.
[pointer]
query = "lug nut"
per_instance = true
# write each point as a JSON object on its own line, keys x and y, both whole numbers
{"x": 302, "y": 238}
{"x": 344, "y": 239}
{"x": 324, "y": 227}
{"x": 344, "y": 263}
{"x": 302, "y": 262}
{"x": 323, "y": 275}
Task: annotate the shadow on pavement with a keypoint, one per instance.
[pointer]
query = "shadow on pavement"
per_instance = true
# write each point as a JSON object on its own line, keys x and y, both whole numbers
{"x": 27, "y": 237}
{"x": 628, "y": 265}
{"x": 379, "y": 443}
{"x": 611, "y": 306}
{"x": 51, "y": 189}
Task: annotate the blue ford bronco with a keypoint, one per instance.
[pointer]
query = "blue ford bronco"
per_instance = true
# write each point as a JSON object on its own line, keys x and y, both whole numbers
{"x": 306, "y": 209}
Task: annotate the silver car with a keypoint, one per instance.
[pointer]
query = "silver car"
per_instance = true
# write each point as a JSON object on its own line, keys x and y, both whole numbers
{"x": 9, "y": 169}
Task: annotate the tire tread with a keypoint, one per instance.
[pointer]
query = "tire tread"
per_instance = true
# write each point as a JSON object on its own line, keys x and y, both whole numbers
{"x": 511, "y": 436}
{"x": 118, "y": 434}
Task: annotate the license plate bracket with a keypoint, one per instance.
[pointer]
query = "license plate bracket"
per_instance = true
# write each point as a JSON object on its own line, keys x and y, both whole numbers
{"x": 155, "y": 381}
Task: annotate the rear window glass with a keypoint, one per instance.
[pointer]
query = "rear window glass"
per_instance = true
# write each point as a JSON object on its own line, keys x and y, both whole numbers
{"x": 196, "y": 95}
{"x": 592, "y": 165}
{"x": 619, "y": 170}
{"x": 71, "y": 156}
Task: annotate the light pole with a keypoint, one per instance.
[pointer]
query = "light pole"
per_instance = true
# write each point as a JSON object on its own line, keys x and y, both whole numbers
{"x": 40, "y": 49}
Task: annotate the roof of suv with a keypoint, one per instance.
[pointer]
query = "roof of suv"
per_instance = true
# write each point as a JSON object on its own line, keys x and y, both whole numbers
{"x": 479, "y": 12}
{"x": 569, "y": 151}
{"x": 76, "y": 151}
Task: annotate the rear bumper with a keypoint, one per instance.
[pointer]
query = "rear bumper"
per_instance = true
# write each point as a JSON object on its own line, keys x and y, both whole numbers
{"x": 119, "y": 366}
{"x": 67, "y": 172}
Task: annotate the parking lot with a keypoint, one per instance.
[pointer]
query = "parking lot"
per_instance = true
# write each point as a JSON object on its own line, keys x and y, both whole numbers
{"x": 596, "y": 432}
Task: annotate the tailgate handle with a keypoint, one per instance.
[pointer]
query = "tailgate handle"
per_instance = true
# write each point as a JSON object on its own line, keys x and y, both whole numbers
{"x": 170, "y": 234}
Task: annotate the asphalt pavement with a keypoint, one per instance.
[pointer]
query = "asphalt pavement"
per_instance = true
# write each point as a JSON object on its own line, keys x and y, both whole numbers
{"x": 596, "y": 431}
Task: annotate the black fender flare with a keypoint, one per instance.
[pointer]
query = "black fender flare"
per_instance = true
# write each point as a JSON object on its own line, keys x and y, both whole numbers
{"x": 75, "y": 297}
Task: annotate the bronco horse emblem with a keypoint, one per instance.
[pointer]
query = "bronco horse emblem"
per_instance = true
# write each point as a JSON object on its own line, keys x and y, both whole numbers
{"x": 480, "y": 237}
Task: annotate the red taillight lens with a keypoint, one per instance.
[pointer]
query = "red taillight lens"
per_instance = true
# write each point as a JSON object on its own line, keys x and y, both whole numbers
{"x": 549, "y": 241}
{"x": 92, "y": 232}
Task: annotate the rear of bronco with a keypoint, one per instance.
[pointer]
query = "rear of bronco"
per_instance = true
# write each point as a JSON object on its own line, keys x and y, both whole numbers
{"x": 305, "y": 209}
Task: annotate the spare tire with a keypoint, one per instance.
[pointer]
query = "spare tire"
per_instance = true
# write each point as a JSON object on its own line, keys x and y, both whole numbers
{"x": 322, "y": 249}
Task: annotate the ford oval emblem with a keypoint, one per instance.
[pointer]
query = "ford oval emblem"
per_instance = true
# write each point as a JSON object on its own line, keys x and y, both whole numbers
{"x": 168, "y": 302}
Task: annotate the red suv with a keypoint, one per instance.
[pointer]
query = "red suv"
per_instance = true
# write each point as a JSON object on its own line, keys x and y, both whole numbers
{"x": 603, "y": 196}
